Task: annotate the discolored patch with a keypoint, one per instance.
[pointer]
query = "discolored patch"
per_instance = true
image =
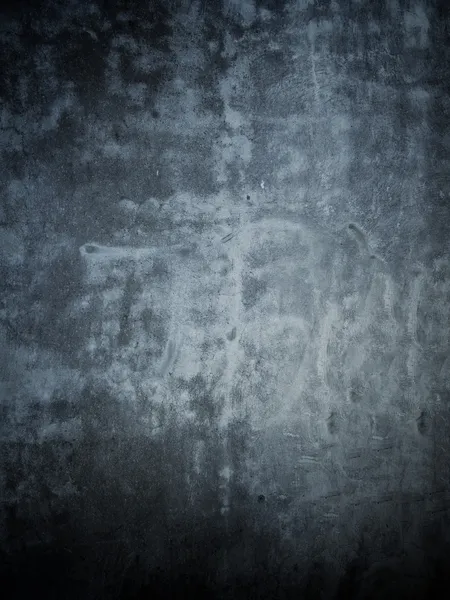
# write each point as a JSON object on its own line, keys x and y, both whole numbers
{"x": 423, "y": 422}
{"x": 231, "y": 335}
{"x": 253, "y": 290}
{"x": 332, "y": 423}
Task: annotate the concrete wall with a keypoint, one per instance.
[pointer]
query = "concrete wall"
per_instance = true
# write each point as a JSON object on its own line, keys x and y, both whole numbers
{"x": 225, "y": 298}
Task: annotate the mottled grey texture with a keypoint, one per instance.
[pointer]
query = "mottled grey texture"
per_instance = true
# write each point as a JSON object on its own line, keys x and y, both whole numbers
{"x": 224, "y": 254}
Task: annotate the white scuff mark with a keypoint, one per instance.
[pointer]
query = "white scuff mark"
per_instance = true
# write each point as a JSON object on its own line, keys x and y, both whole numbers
{"x": 198, "y": 455}
{"x": 416, "y": 290}
{"x": 182, "y": 332}
{"x": 102, "y": 261}
{"x": 226, "y": 473}
{"x": 389, "y": 296}
{"x": 171, "y": 355}
{"x": 329, "y": 319}
{"x": 262, "y": 184}
{"x": 237, "y": 251}
{"x": 306, "y": 458}
{"x": 98, "y": 252}
{"x": 91, "y": 33}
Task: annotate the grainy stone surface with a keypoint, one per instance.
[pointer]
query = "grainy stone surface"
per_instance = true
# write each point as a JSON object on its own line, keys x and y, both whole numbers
{"x": 224, "y": 255}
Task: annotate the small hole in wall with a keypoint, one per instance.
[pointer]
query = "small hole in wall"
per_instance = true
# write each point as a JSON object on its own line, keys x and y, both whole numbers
{"x": 248, "y": 196}
{"x": 261, "y": 498}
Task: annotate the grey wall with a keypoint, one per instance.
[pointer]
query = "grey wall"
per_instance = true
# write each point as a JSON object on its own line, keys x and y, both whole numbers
{"x": 225, "y": 285}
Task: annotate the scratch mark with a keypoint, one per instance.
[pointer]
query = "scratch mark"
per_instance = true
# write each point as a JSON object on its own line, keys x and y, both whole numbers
{"x": 99, "y": 252}
{"x": 359, "y": 237}
{"x": 308, "y": 459}
{"x": 169, "y": 359}
{"x": 383, "y": 448}
{"x": 414, "y": 305}
{"x": 91, "y": 33}
{"x": 232, "y": 335}
{"x": 437, "y": 492}
{"x": 438, "y": 510}
{"x": 228, "y": 237}
{"x": 383, "y": 499}
{"x": 324, "y": 339}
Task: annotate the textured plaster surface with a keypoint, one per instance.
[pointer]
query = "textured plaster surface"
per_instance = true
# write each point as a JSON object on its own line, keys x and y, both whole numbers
{"x": 225, "y": 285}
